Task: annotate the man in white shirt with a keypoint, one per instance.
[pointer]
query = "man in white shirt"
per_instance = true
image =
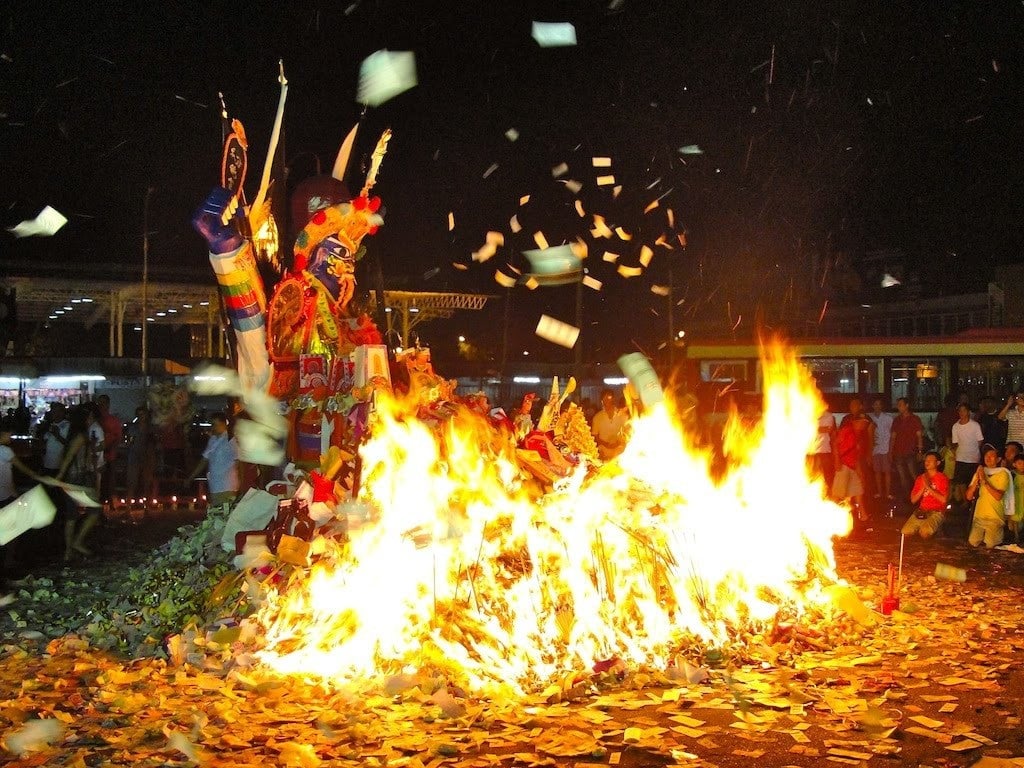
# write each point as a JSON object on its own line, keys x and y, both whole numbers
{"x": 55, "y": 442}
{"x": 821, "y": 458}
{"x": 55, "y": 439}
{"x": 220, "y": 461}
{"x": 97, "y": 442}
{"x": 881, "y": 461}
{"x": 967, "y": 440}
{"x": 608, "y": 427}
{"x": 1013, "y": 414}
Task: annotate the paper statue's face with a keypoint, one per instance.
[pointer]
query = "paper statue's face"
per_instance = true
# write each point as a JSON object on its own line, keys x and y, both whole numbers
{"x": 333, "y": 265}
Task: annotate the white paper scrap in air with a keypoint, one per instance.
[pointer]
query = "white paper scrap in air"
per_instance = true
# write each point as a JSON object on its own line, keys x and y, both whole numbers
{"x": 47, "y": 223}
{"x": 385, "y": 74}
{"x": 557, "y": 332}
{"x": 554, "y": 34}
{"x": 888, "y": 281}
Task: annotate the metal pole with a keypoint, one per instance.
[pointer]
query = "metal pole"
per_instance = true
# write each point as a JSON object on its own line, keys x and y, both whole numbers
{"x": 145, "y": 286}
{"x": 578, "y": 349}
{"x": 504, "y": 332}
{"x": 112, "y": 330}
{"x": 120, "y": 323}
{"x": 671, "y": 322}
{"x": 209, "y": 329}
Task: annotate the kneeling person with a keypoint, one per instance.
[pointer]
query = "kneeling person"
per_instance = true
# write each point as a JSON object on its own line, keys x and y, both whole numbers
{"x": 929, "y": 499}
{"x": 990, "y": 484}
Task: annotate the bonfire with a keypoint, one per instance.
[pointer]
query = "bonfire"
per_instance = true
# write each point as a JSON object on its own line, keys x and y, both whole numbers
{"x": 463, "y": 570}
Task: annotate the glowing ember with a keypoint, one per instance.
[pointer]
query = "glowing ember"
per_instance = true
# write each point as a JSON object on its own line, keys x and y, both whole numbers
{"x": 465, "y": 568}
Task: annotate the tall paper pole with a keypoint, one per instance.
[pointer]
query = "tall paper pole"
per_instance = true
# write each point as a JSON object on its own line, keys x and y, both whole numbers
{"x": 275, "y": 136}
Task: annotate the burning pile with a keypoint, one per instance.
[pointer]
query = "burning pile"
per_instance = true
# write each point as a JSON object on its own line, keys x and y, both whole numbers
{"x": 464, "y": 569}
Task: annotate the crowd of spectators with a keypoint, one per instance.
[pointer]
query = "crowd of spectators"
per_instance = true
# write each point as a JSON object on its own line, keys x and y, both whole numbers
{"x": 972, "y": 468}
{"x": 971, "y": 464}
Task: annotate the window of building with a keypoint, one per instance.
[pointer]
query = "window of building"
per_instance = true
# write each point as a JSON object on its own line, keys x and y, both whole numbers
{"x": 872, "y": 375}
{"x": 922, "y": 382}
{"x": 833, "y": 374}
{"x": 723, "y": 371}
{"x": 990, "y": 377}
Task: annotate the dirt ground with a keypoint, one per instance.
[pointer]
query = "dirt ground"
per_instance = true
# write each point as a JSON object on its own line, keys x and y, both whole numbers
{"x": 938, "y": 684}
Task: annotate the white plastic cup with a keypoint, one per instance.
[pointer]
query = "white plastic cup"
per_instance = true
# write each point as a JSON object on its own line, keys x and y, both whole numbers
{"x": 950, "y": 573}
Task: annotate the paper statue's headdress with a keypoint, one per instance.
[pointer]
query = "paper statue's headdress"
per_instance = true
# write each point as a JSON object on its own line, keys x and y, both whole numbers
{"x": 323, "y": 204}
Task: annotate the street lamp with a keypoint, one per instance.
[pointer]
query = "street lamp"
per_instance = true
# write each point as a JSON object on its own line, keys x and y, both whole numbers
{"x": 145, "y": 285}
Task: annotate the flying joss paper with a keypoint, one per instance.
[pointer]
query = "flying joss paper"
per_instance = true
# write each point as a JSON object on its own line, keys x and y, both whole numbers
{"x": 888, "y": 281}
{"x": 47, "y": 223}
{"x": 504, "y": 280}
{"x": 557, "y": 332}
{"x": 555, "y": 266}
{"x": 385, "y": 74}
{"x": 553, "y": 34}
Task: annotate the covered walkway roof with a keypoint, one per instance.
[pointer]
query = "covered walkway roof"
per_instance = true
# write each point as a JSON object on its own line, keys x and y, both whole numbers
{"x": 119, "y": 303}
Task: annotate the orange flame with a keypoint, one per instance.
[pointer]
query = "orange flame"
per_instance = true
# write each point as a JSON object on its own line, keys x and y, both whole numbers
{"x": 466, "y": 568}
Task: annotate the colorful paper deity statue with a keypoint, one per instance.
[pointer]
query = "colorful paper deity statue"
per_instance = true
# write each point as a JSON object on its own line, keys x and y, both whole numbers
{"x": 309, "y": 309}
{"x": 308, "y": 313}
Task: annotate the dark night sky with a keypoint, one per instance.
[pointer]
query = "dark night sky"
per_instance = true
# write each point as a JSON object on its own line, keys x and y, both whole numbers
{"x": 883, "y": 126}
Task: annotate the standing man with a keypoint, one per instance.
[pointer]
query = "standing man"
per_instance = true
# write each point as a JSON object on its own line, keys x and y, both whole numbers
{"x": 881, "y": 461}
{"x": 1013, "y": 414}
{"x": 220, "y": 460}
{"x": 55, "y": 439}
{"x": 907, "y": 444}
{"x": 822, "y": 458}
{"x": 608, "y": 427}
{"x": 863, "y": 429}
{"x": 967, "y": 440}
{"x": 944, "y": 421}
{"x": 55, "y": 443}
{"x": 847, "y": 483}
{"x": 929, "y": 499}
{"x": 992, "y": 428}
{"x": 113, "y": 434}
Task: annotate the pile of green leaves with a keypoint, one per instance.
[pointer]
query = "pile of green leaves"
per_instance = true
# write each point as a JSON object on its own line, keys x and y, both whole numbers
{"x": 169, "y": 592}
